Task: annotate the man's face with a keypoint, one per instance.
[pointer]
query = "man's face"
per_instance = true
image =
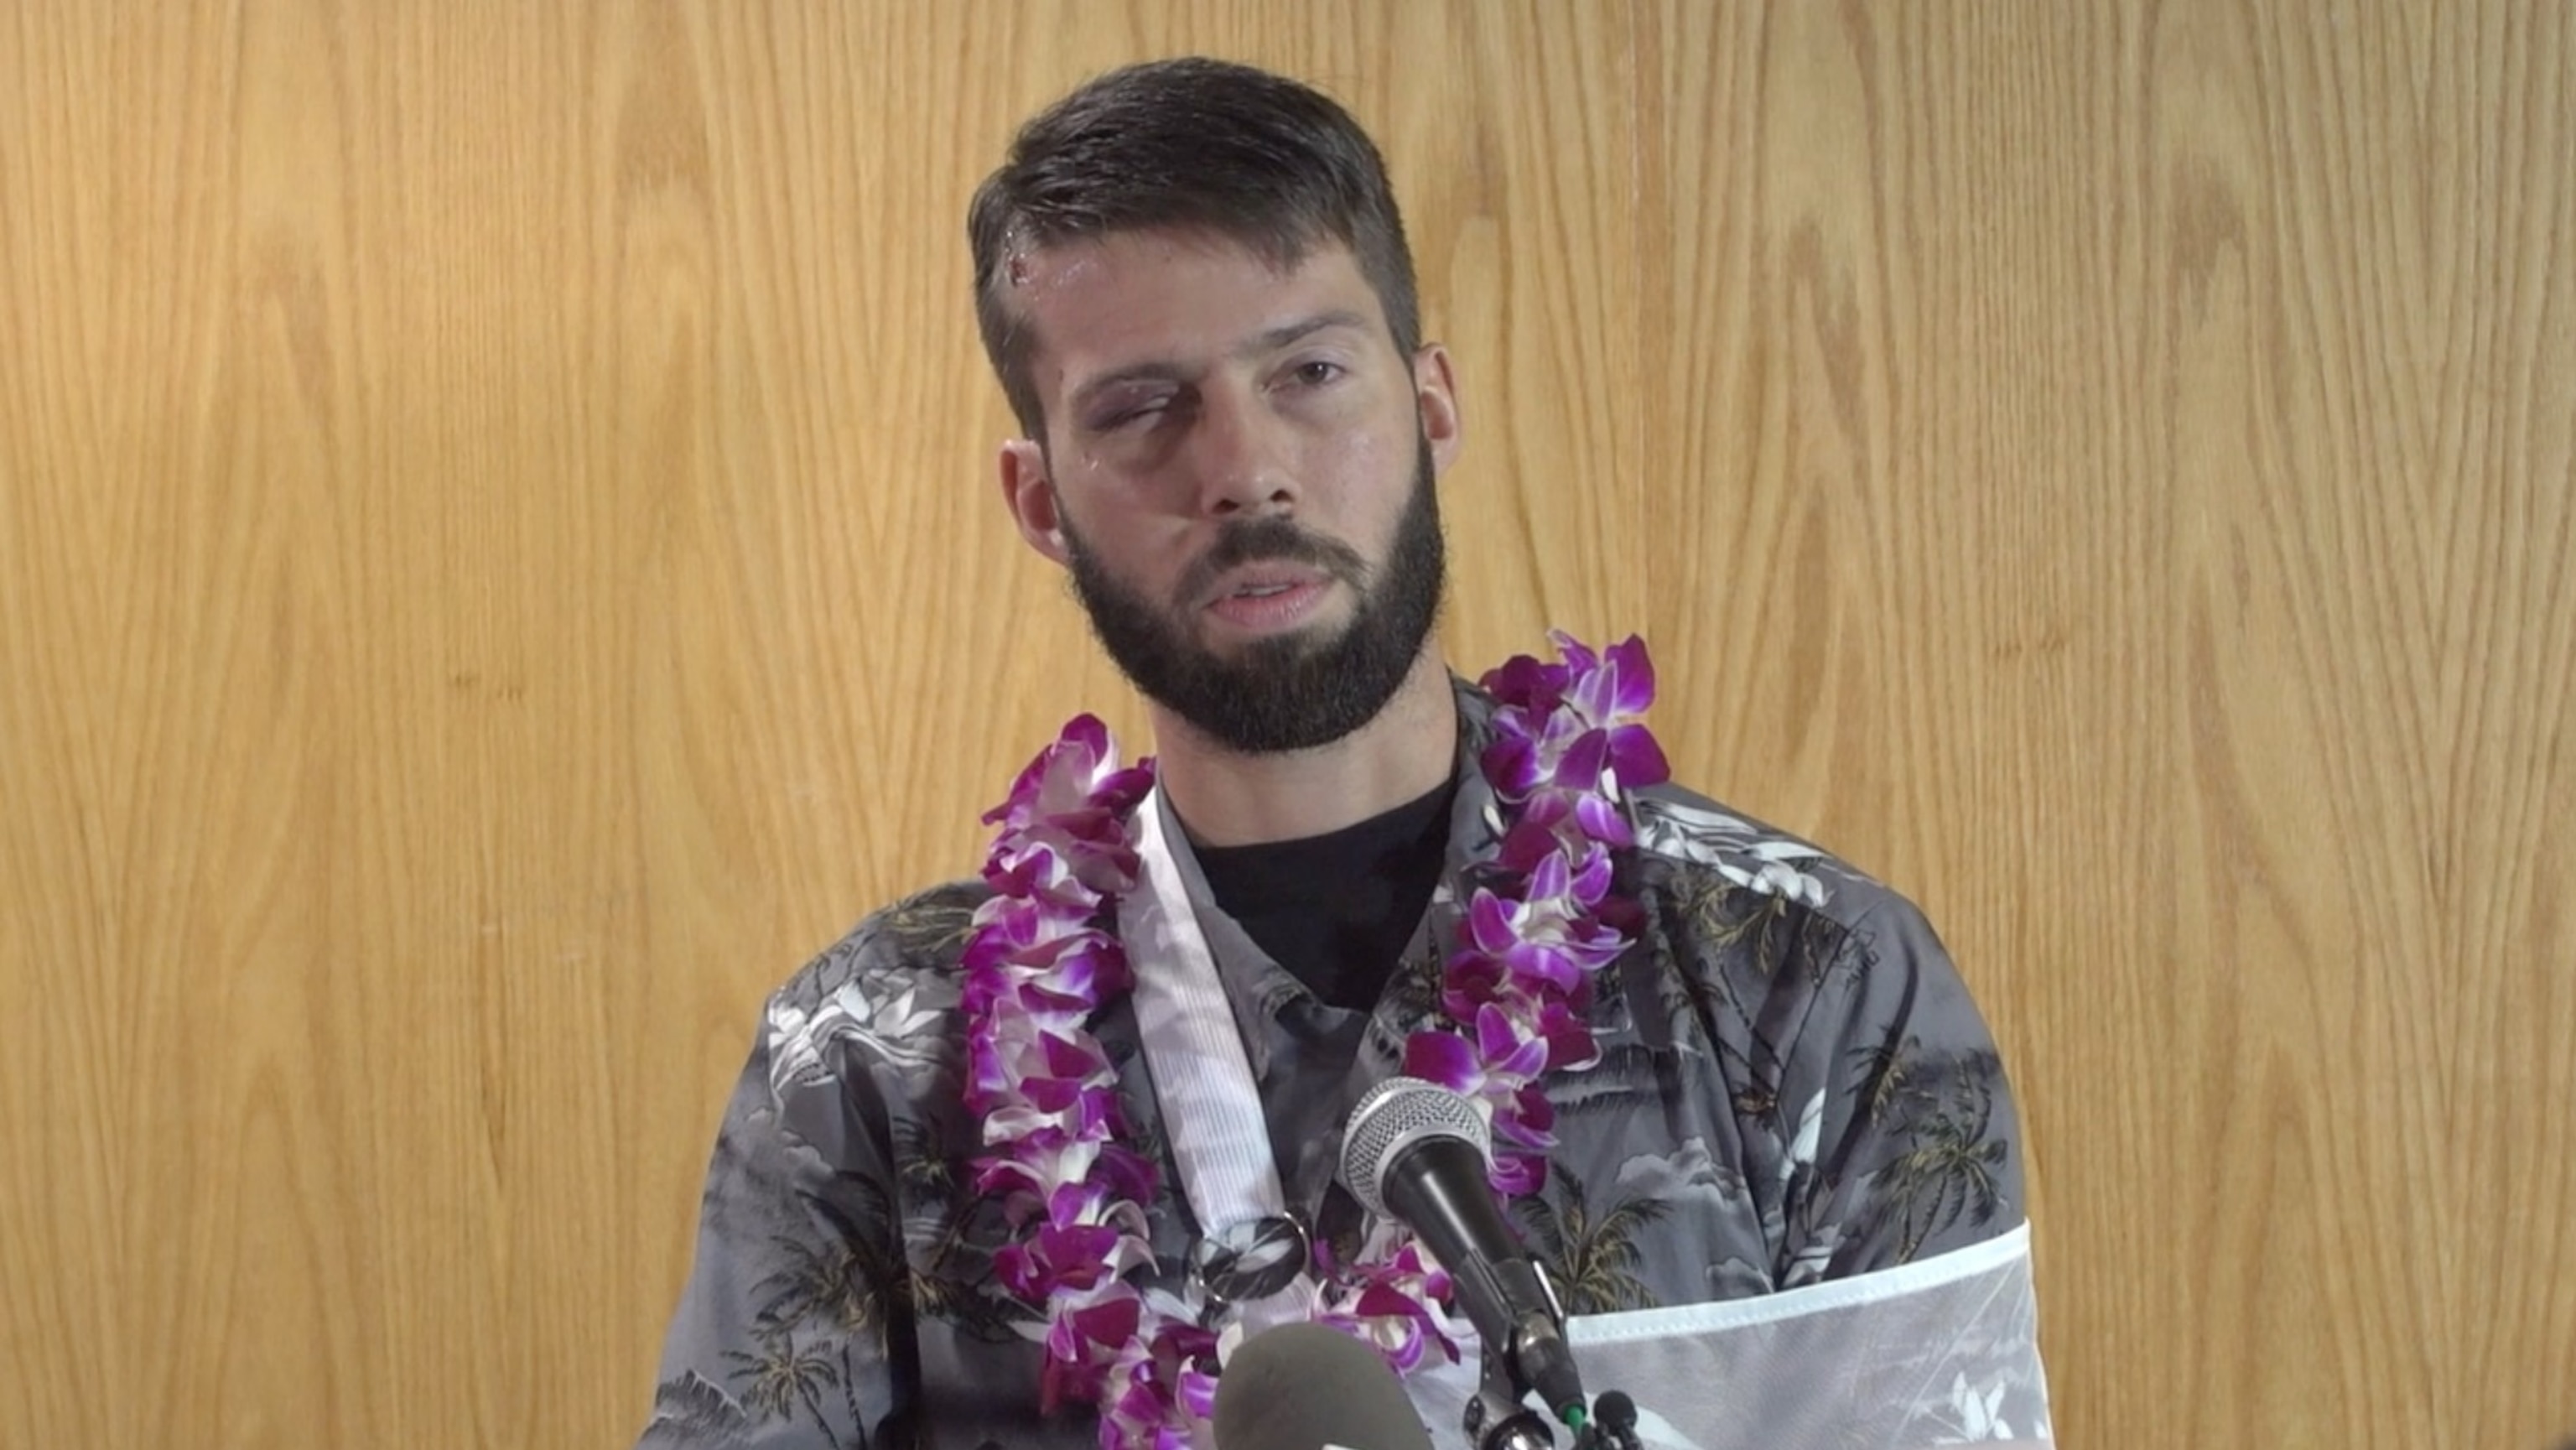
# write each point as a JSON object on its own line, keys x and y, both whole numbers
{"x": 1239, "y": 473}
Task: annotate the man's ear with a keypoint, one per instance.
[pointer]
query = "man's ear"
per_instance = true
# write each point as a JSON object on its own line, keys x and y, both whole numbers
{"x": 1029, "y": 493}
{"x": 1435, "y": 398}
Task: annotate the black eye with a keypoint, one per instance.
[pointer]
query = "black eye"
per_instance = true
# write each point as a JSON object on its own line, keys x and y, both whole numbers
{"x": 1112, "y": 422}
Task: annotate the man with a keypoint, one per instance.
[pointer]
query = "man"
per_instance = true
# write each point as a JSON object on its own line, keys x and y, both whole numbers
{"x": 1020, "y": 1160}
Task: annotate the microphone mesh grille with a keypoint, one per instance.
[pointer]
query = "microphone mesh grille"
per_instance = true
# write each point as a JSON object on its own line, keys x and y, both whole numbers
{"x": 1397, "y": 1114}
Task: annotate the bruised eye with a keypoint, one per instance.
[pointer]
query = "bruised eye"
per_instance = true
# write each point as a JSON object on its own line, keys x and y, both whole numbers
{"x": 1126, "y": 415}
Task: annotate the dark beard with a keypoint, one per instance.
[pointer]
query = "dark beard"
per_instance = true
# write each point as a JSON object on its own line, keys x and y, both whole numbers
{"x": 1292, "y": 691}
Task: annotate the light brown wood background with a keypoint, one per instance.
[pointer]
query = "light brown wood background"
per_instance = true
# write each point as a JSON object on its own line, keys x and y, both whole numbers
{"x": 498, "y": 563}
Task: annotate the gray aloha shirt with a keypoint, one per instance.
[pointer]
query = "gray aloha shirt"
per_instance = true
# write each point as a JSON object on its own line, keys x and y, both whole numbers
{"x": 1793, "y": 1087}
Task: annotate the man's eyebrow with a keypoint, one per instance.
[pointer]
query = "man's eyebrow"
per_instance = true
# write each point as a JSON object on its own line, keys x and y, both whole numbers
{"x": 1289, "y": 334}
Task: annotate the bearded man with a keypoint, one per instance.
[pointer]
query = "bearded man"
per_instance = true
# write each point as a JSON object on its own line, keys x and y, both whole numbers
{"x": 1023, "y": 1159}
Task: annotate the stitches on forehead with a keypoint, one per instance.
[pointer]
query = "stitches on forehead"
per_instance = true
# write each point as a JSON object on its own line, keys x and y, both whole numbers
{"x": 1024, "y": 245}
{"x": 1146, "y": 284}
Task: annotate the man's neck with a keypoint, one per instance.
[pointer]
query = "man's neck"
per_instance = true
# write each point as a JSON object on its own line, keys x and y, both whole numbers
{"x": 1232, "y": 799}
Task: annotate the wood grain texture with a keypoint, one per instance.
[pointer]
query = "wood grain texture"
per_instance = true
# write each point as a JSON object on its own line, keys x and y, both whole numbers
{"x": 498, "y": 561}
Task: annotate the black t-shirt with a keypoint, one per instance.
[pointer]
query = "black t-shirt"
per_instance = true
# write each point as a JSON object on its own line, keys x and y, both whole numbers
{"x": 1336, "y": 910}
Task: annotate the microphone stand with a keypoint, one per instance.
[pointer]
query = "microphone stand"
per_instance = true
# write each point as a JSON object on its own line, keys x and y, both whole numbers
{"x": 1499, "y": 1418}
{"x": 1496, "y": 1418}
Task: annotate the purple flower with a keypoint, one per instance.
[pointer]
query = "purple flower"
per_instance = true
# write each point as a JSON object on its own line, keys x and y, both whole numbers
{"x": 1061, "y": 779}
{"x": 1388, "y": 1306}
{"x": 1126, "y": 1173}
{"x": 1511, "y": 761}
{"x": 1444, "y": 1058}
{"x": 1034, "y": 871}
{"x": 1601, "y": 821}
{"x": 1515, "y": 935}
{"x": 1500, "y": 1060}
{"x": 1156, "y": 1389}
{"x": 1580, "y": 757}
{"x": 1528, "y": 1120}
{"x": 1524, "y": 684}
{"x": 1473, "y": 979}
{"x": 1619, "y": 687}
{"x": 1570, "y": 1044}
{"x": 1549, "y": 942}
{"x": 1574, "y": 726}
{"x": 1052, "y": 1260}
{"x": 1071, "y": 803}
{"x": 1038, "y": 1165}
{"x": 1539, "y": 833}
{"x": 1085, "y": 1330}
{"x": 1518, "y": 1175}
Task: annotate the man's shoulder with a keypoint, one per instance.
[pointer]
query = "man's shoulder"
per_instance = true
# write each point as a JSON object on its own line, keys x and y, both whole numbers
{"x": 1689, "y": 835}
{"x": 910, "y": 941}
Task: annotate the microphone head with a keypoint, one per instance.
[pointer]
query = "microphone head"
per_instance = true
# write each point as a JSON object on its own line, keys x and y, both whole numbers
{"x": 1395, "y": 1115}
{"x": 1306, "y": 1387}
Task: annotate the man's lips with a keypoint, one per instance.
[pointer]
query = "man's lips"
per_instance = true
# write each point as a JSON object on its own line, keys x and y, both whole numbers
{"x": 1263, "y": 581}
{"x": 1268, "y": 599}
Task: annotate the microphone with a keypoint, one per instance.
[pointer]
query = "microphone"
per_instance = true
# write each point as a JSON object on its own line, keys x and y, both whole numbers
{"x": 1420, "y": 1154}
{"x": 1304, "y": 1386}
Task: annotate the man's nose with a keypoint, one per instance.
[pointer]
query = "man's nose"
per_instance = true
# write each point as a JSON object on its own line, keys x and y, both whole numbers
{"x": 1240, "y": 455}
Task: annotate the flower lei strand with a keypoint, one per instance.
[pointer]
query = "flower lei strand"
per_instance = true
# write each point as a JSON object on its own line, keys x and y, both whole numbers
{"x": 1541, "y": 922}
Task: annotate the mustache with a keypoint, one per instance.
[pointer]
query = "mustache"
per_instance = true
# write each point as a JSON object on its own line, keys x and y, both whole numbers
{"x": 1271, "y": 538}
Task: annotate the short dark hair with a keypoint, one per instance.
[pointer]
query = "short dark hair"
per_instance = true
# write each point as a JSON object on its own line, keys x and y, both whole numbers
{"x": 1194, "y": 144}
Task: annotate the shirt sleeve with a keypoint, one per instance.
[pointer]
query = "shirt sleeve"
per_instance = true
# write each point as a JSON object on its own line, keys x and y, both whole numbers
{"x": 788, "y": 1331}
{"x": 1902, "y": 1259}
{"x": 1906, "y": 1145}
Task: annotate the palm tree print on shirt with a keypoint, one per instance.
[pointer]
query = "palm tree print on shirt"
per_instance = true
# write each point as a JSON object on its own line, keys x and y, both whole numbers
{"x": 1886, "y": 1075}
{"x": 833, "y": 1286}
{"x": 1953, "y": 1166}
{"x": 778, "y": 1377}
{"x": 1591, "y": 1261}
{"x": 691, "y": 1413}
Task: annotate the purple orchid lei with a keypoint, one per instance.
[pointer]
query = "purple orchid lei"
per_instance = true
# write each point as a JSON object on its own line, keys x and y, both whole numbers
{"x": 1542, "y": 921}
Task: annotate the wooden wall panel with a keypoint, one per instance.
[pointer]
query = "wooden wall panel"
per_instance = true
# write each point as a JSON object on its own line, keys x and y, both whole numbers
{"x": 2146, "y": 456}
{"x": 498, "y": 561}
